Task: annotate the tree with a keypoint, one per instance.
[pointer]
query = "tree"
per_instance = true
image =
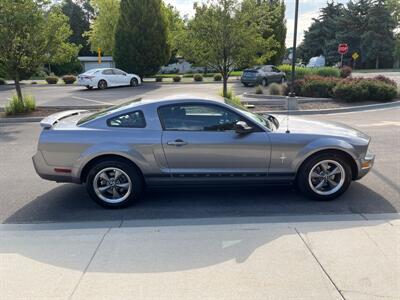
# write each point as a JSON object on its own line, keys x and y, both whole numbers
{"x": 102, "y": 29}
{"x": 220, "y": 37}
{"x": 176, "y": 28}
{"x": 141, "y": 37}
{"x": 378, "y": 39}
{"x": 268, "y": 18}
{"x": 79, "y": 22}
{"x": 396, "y": 54}
{"x": 30, "y": 36}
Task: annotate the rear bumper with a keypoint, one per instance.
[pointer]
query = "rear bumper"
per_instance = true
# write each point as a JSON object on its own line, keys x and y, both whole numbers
{"x": 87, "y": 82}
{"x": 48, "y": 172}
{"x": 251, "y": 81}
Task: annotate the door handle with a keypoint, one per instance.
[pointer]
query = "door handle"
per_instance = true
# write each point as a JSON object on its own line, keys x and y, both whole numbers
{"x": 178, "y": 142}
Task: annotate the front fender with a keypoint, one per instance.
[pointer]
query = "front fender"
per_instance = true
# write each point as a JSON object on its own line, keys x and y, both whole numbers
{"x": 321, "y": 145}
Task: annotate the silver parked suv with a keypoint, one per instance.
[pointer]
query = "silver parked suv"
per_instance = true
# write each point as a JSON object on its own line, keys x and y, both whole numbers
{"x": 262, "y": 75}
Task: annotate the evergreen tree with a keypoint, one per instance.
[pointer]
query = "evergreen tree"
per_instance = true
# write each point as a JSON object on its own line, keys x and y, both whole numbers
{"x": 79, "y": 23}
{"x": 141, "y": 37}
{"x": 378, "y": 38}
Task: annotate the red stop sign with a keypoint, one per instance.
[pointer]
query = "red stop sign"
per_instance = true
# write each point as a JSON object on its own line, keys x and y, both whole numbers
{"x": 343, "y": 48}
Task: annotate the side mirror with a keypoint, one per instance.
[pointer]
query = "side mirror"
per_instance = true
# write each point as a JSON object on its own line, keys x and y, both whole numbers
{"x": 242, "y": 127}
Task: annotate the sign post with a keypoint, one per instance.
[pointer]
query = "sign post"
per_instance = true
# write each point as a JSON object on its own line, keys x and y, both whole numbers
{"x": 342, "y": 50}
{"x": 355, "y": 56}
{"x": 99, "y": 55}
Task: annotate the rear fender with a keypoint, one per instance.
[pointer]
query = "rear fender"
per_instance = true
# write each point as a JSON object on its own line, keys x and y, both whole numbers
{"x": 108, "y": 149}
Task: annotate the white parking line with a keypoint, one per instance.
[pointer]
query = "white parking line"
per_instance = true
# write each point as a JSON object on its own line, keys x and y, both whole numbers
{"x": 91, "y": 100}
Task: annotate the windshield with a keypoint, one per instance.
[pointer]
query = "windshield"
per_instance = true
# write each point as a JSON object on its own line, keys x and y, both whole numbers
{"x": 257, "y": 118}
{"x": 106, "y": 111}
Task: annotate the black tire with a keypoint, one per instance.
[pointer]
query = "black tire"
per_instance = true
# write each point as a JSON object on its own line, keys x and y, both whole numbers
{"x": 89, "y": 87}
{"x": 264, "y": 82}
{"x": 303, "y": 182}
{"x": 246, "y": 84}
{"x": 136, "y": 180}
{"x": 134, "y": 82}
{"x": 283, "y": 79}
{"x": 102, "y": 85}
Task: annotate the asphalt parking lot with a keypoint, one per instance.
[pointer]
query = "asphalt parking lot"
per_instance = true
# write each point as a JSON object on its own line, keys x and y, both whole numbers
{"x": 25, "y": 198}
{"x": 65, "y": 95}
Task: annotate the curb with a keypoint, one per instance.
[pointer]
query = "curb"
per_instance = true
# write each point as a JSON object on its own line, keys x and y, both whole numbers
{"x": 336, "y": 110}
{"x": 279, "y": 98}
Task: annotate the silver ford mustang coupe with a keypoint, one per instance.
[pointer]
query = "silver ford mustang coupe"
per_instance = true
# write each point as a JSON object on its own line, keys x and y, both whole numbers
{"x": 118, "y": 151}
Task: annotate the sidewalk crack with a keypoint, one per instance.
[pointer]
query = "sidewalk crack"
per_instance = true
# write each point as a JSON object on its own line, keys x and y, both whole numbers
{"x": 320, "y": 265}
{"x": 89, "y": 263}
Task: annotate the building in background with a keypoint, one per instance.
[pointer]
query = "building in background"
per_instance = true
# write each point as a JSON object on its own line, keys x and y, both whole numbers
{"x": 91, "y": 62}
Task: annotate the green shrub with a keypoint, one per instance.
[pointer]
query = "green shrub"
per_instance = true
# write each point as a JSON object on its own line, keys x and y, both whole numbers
{"x": 345, "y": 71}
{"x": 177, "y": 78}
{"x": 318, "y": 86}
{"x": 2, "y": 81}
{"x": 361, "y": 89}
{"x": 259, "y": 90}
{"x": 51, "y": 79}
{"x": 231, "y": 98}
{"x": 34, "y": 82}
{"x": 14, "y": 106}
{"x": 217, "y": 77}
{"x": 327, "y": 72}
{"x": 275, "y": 89}
{"x": 198, "y": 77}
{"x": 159, "y": 78}
{"x": 69, "y": 79}
{"x": 386, "y": 80}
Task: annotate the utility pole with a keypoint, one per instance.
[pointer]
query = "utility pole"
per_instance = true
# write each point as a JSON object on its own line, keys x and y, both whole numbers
{"x": 296, "y": 17}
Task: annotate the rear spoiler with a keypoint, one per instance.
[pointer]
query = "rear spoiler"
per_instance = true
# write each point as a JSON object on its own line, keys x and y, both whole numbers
{"x": 49, "y": 121}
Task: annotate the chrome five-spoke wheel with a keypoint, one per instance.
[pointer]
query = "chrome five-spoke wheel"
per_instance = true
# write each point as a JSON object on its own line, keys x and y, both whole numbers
{"x": 326, "y": 177}
{"x": 112, "y": 185}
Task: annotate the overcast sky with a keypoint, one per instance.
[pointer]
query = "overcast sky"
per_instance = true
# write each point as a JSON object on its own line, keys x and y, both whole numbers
{"x": 308, "y": 9}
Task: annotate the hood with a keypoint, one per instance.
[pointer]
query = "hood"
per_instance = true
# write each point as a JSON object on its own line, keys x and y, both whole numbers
{"x": 299, "y": 125}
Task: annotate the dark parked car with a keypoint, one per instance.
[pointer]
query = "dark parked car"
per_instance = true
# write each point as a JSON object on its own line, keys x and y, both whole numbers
{"x": 262, "y": 75}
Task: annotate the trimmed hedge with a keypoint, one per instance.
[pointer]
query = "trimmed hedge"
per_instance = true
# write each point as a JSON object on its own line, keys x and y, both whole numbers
{"x": 302, "y": 72}
{"x": 51, "y": 79}
{"x": 217, "y": 77}
{"x": 159, "y": 78}
{"x": 177, "y": 78}
{"x": 69, "y": 79}
{"x": 198, "y": 77}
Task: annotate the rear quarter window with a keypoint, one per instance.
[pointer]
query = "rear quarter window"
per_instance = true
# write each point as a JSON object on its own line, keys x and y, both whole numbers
{"x": 133, "y": 119}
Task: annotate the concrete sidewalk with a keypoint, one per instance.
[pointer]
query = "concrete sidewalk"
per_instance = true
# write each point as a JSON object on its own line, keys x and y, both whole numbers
{"x": 305, "y": 257}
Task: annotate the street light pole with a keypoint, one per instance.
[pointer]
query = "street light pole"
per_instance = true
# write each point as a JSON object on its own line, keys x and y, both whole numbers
{"x": 296, "y": 17}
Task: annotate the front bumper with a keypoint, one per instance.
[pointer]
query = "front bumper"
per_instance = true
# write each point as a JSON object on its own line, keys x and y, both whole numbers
{"x": 365, "y": 165}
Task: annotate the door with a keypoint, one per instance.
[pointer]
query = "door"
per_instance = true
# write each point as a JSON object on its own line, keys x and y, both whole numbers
{"x": 109, "y": 76}
{"x": 277, "y": 74}
{"x": 199, "y": 140}
{"x": 120, "y": 77}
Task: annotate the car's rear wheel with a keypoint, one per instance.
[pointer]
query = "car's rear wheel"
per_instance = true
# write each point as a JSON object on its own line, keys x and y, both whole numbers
{"x": 264, "y": 82}
{"x": 89, "y": 87}
{"x": 325, "y": 176}
{"x": 114, "y": 183}
{"x": 134, "y": 82}
{"x": 102, "y": 85}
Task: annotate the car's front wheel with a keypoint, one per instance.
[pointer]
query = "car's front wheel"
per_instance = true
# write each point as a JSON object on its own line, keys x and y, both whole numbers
{"x": 325, "y": 176}
{"x": 114, "y": 183}
{"x": 264, "y": 82}
{"x": 134, "y": 82}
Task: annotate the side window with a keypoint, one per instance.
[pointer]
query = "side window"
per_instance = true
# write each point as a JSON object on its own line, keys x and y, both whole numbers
{"x": 276, "y": 70}
{"x": 129, "y": 120}
{"x": 118, "y": 72}
{"x": 108, "y": 72}
{"x": 197, "y": 117}
{"x": 267, "y": 69}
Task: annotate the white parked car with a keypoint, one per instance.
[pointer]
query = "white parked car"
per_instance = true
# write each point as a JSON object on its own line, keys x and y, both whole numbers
{"x": 107, "y": 77}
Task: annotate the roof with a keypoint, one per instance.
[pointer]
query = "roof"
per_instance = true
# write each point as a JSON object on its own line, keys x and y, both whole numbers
{"x": 94, "y": 58}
